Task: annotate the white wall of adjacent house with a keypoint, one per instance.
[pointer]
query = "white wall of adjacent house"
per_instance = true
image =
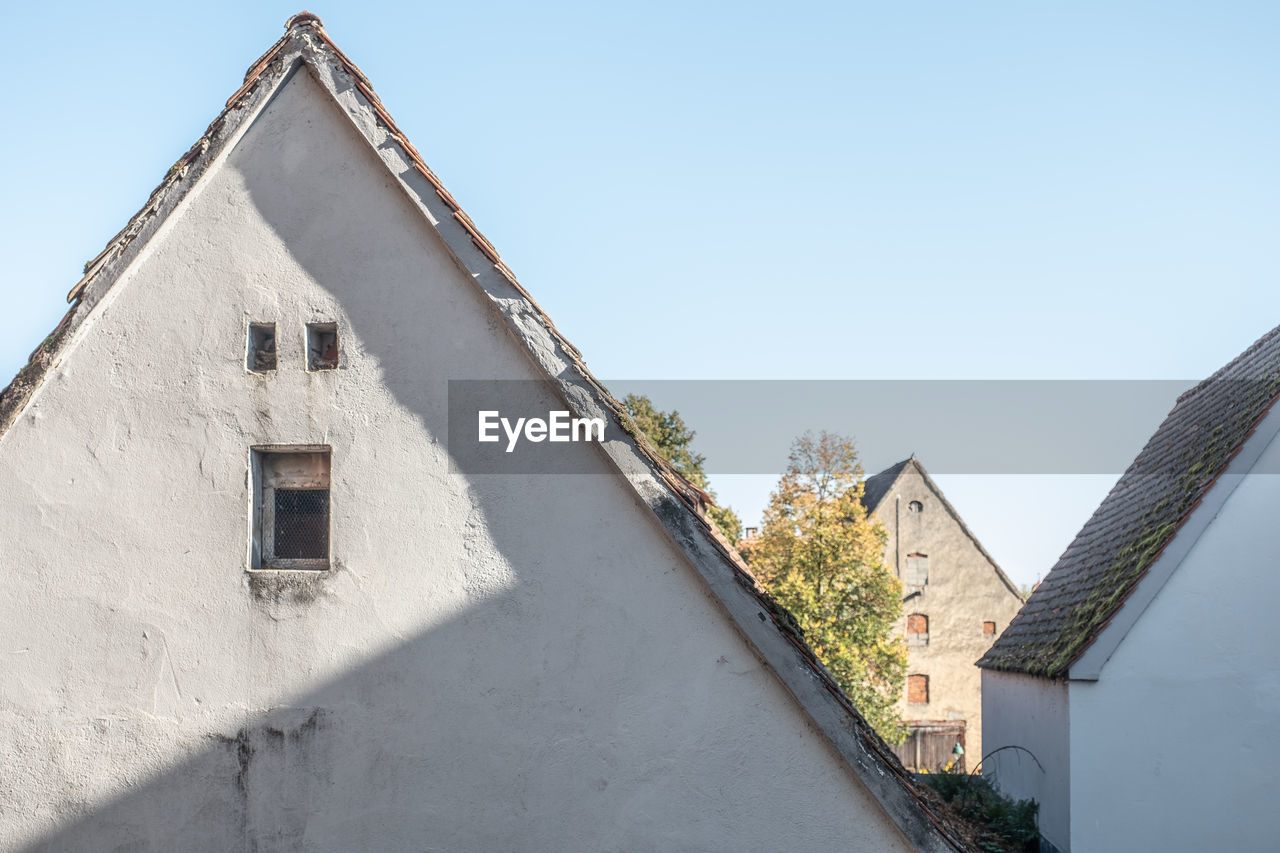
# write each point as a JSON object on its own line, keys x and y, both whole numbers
{"x": 492, "y": 663}
{"x": 1027, "y": 724}
{"x": 1172, "y": 747}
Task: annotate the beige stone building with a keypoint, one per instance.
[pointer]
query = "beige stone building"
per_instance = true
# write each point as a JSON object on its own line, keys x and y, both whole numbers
{"x": 956, "y": 601}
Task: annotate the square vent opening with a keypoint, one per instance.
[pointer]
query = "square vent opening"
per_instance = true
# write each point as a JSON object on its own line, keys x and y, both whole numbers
{"x": 322, "y": 346}
{"x": 262, "y": 347}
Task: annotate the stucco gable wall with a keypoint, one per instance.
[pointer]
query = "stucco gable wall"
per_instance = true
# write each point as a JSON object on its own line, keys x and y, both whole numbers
{"x": 963, "y": 591}
{"x": 494, "y": 663}
{"x": 1169, "y": 746}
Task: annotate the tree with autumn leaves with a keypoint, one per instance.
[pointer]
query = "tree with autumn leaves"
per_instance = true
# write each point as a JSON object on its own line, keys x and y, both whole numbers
{"x": 822, "y": 558}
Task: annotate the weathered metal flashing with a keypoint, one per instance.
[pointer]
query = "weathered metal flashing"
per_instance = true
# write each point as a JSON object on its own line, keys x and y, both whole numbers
{"x": 672, "y": 501}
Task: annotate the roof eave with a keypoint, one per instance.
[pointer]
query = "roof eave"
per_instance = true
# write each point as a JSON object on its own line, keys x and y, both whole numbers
{"x": 1076, "y": 659}
{"x": 1089, "y": 661}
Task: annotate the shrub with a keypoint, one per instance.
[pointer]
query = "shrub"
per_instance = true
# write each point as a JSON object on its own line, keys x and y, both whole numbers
{"x": 1004, "y": 824}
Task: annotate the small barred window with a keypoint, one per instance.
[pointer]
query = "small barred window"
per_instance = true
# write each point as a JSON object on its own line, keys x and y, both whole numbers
{"x": 291, "y": 508}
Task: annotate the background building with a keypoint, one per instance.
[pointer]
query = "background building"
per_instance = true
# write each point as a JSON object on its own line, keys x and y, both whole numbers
{"x": 956, "y": 600}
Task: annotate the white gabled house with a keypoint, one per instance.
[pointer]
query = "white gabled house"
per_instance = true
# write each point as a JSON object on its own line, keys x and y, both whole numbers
{"x": 1136, "y": 692}
{"x": 255, "y": 598}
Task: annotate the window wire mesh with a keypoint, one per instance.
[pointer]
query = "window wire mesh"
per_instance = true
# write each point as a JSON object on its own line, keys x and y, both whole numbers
{"x": 302, "y": 524}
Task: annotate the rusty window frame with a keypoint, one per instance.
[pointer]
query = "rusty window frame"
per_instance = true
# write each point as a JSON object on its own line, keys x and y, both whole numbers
{"x": 916, "y": 622}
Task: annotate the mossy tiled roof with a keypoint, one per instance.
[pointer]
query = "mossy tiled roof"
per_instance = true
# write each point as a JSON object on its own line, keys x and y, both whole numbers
{"x": 1142, "y": 513}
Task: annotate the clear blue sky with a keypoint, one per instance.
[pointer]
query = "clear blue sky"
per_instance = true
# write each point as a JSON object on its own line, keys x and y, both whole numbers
{"x": 751, "y": 191}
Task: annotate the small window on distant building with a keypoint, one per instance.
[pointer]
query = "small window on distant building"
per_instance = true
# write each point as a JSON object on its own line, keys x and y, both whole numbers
{"x": 751, "y": 532}
{"x": 915, "y": 506}
{"x": 291, "y": 508}
{"x": 918, "y": 689}
{"x": 917, "y": 570}
{"x": 322, "y": 346}
{"x": 262, "y": 347}
{"x": 918, "y": 629}
{"x": 989, "y": 629}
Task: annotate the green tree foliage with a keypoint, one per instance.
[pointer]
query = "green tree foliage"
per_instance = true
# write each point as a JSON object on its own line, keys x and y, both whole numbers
{"x": 667, "y": 432}
{"x": 822, "y": 558}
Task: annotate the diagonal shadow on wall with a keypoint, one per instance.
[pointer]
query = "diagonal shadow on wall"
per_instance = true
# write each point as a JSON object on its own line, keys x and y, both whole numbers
{"x": 572, "y": 708}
